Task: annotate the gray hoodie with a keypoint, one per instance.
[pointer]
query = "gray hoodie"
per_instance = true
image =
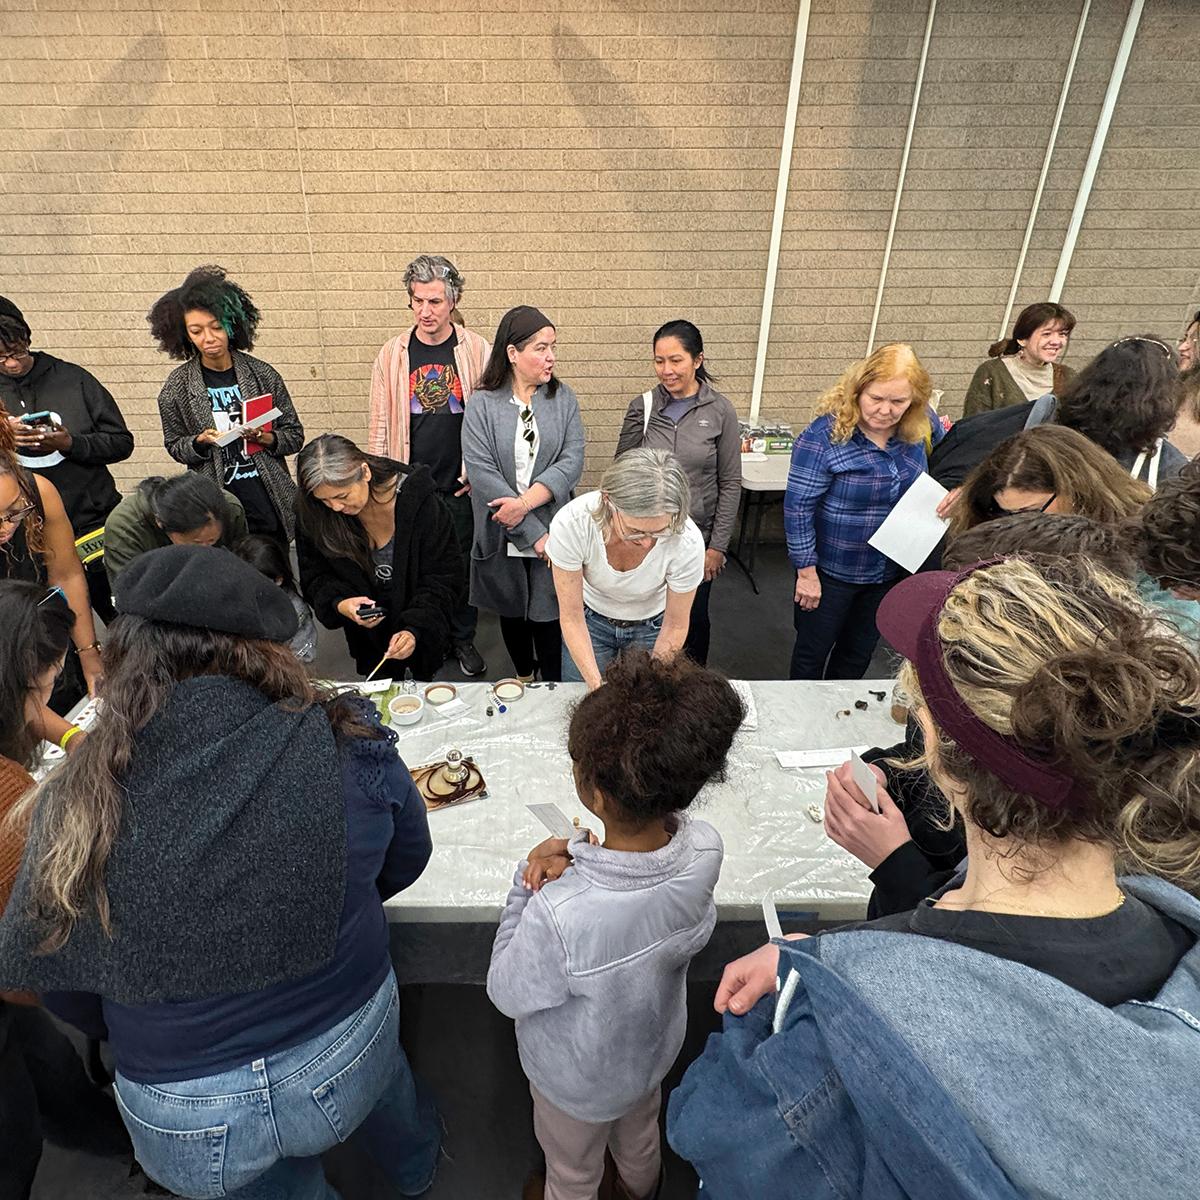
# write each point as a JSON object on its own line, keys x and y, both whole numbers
{"x": 594, "y": 966}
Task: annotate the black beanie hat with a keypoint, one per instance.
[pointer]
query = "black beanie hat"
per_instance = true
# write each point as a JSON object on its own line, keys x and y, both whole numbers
{"x": 208, "y": 588}
{"x": 10, "y": 310}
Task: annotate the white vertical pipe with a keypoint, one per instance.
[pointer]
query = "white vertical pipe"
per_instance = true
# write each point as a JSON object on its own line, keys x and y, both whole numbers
{"x": 1132, "y": 20}
{"x": 908, "y": 138}
{"x": 1041, "y": 183}
{"x": 781, "y": 190}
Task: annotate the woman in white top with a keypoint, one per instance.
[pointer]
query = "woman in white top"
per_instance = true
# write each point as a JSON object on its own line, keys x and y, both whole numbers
{"x": 627, "y": 560}
{"x": 522, "y": 447}
{"x": 1026, "y": 365}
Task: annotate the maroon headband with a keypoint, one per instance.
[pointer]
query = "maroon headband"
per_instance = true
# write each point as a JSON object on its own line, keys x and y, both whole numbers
{"x": 908, "y": 618}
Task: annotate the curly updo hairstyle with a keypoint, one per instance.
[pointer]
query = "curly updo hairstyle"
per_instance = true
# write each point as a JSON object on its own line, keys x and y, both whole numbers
{"x": 654, "y": 734}
{"x": 1168, "y": 535}
{"x": 206, "y": 288}
{"x": 1062, "y": 657}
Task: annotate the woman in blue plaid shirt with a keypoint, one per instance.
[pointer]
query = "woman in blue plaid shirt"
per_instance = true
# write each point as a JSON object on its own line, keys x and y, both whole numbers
{"x": 849, "y": 468}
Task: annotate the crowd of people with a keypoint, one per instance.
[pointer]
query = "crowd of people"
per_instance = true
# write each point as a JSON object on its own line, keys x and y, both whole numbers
{"x": 1033, "y": 840}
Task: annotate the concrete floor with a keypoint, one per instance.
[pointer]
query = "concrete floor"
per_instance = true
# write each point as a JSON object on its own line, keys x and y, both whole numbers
{"x": 456, "y": 1041}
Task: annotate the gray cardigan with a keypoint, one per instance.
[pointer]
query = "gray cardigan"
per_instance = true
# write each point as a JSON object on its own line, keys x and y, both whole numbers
{"x": 185, "y": 410}
{"x": 499, "y": 582}
{"x": 594, "y": 968}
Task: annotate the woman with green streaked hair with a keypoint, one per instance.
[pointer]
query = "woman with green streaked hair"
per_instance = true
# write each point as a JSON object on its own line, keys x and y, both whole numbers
{"x": 209, "y": 322}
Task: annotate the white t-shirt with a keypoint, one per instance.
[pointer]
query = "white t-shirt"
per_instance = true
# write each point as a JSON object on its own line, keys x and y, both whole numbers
{"x": 675, "y": 562}
{"x": 524, "y": 455}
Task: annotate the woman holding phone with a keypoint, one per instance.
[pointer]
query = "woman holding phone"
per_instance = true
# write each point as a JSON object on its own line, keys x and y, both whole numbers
{"x": 378, "y": 556}
{"x": 209, "y": 322}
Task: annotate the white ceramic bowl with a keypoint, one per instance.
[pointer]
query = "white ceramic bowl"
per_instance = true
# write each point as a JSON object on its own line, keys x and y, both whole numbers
{"x": 406, "y": 709}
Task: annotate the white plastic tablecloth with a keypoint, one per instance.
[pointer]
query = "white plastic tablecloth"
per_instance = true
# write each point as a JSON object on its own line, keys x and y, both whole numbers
{"x": 761, "y": 809}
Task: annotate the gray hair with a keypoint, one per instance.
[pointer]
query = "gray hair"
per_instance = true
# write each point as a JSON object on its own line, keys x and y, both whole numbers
{"x": 644, "y": 483}
{"x": 329, "y": 461}
{"x": 432, "y": 268}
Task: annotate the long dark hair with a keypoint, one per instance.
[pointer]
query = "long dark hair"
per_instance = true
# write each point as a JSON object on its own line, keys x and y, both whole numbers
{"x": 35, "y": 526}
{"x": 35, "y": 631}
{"x": 1127, "y": 397}
{"x": 498, "y": 372}
{"x": 1029, "y": 320}
{"x": 80, "y": 805}
{"x": 335, "y": 461}
{"x": 690, "y": 338}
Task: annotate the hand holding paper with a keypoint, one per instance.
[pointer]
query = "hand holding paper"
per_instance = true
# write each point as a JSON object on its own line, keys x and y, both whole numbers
{"x": 912, "y": 530}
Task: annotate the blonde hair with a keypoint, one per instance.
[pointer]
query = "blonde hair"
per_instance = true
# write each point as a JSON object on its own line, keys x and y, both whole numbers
{"x": 1061, "y": 656}
{"x": 888, "y": 362}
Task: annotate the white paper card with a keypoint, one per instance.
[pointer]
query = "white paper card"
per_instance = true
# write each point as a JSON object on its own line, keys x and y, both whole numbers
{"x": 232, "y": 436}
{"x": 912, "y": 529}
{"x": 833, "y": 757}
{"x": 866, "y": 780}
{"x": 771, "y": 917}
{"x": 553, "y": 818}
{"x": 747, "y": 697}
{"x": 449, "y": 707}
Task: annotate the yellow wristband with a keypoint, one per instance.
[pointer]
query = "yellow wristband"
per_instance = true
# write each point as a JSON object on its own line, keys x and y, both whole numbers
{"x": 66, "y": 737}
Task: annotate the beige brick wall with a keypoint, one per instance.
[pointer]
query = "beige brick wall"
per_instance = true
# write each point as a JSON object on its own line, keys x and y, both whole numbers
{"x": 612, "y": 161}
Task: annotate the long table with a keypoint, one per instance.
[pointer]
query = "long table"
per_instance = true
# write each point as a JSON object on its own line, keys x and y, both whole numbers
{"x": 772, "y": 842}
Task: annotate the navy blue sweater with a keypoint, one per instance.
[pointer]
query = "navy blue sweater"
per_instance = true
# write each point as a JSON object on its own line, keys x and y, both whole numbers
{"x": 387, "y": 848}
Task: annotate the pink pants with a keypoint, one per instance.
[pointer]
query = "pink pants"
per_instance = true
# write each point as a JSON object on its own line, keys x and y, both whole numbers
{"x": 575, "y": 1149}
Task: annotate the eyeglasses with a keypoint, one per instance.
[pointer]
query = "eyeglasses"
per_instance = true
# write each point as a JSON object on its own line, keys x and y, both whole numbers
{"x": 528, "y": 432}
{"x": 994, "y": 510}
{"x": 17, "y": 516}
{"x": 14, "y": 355}
{"x": 638, "y": 535}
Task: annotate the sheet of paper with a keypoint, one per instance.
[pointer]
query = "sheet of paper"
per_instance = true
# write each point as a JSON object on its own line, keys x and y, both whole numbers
{"x": 833, "y": 757}
{"x": 264, "y": 419}
{"x": 771, "y": 917}
{"x": 912, "y": 529}
{"x": 553, "y": 818}
{"x": 450, "y": 708}
{"x": 866, "y": 780}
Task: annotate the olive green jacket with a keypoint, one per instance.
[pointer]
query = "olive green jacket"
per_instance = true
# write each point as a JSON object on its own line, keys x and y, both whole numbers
{"x": 993, "y": 387}
{"x": 131, "y": 530}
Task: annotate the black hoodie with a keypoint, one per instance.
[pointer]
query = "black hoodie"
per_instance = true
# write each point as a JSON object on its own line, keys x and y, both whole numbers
{"x": 98, "y": 431}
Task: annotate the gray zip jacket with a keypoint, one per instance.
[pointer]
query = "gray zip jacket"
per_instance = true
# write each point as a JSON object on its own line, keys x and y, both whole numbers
{"x": 594, "y": 968}
{"x": 709, "y": 448}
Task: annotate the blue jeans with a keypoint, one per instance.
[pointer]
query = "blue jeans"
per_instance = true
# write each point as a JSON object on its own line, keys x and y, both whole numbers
{"x": 256, "y": 1132}
{"x": 836, "y": 639}
{"x": 608, "y": 640}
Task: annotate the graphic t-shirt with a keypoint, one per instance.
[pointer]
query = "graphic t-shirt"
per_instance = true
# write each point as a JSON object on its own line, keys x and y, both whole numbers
{"x": 239, "y": 470}
{"x": 435, "y": 410}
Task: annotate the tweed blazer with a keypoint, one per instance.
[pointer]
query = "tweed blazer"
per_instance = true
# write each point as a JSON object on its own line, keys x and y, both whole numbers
{"x": 185, "y": 410}
{"x": 500, "y": 582}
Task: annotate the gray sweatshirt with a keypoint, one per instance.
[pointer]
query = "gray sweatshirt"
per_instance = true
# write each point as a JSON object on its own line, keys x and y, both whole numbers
{"x": 594, "y": 966}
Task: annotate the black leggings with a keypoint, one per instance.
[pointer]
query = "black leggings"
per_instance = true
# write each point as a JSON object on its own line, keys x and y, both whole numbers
{"x": 533, "y": 644}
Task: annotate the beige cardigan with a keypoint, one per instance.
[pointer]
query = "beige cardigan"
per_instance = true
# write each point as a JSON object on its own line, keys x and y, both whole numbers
{"x": 387, "y": 432}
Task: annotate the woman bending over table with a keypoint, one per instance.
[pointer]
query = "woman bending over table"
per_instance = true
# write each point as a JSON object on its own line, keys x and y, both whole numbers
{"x": 627, "y": 560}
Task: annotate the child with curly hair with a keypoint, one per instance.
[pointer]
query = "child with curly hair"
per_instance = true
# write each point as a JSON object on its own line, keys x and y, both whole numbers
{"x": 592, "y": 952}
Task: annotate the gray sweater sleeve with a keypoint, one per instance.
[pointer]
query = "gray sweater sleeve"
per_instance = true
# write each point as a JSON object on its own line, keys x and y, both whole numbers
{"x": 528, "y": 972}
{"x": 729, "y": 481}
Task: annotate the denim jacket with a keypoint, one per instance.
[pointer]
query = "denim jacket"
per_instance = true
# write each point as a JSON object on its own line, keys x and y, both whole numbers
{"x": 897, "y": 1067}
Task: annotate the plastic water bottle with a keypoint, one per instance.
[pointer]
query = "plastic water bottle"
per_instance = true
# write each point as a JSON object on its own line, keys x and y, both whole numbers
{"x": 410, "y": 684}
